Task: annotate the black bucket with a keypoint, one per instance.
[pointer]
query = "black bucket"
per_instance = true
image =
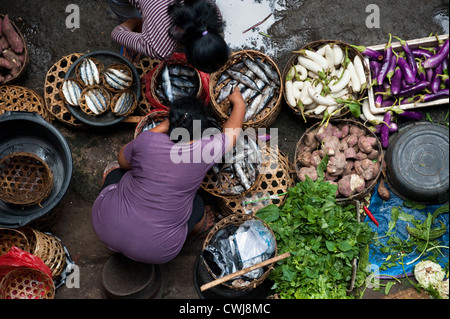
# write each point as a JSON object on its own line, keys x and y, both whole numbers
{"x": 29, "y": 132}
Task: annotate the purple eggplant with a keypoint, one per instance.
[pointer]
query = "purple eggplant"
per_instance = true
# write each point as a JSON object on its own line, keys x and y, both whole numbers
{"x": 391, "y": 69}
{"x": 435, "y": 82}
{"x": 386, "y": 63}
{"x": 411, "y": 115}
{"x": 434, "y": 96}
{"x": 384, "y": 131}
{"x": 409, "y": 55}
{"x": 393, "y": 127}
{"x": 408, "y": 74}
{"x": 396, "y": 81}
{"x": 371, "y": 54}
{"x": 437, "y": 59}
{"x": 375, "y": 68}
{"x": 414, "y": 89}
{"x": 421, "y": 73}
{"x": 422, "y": 53}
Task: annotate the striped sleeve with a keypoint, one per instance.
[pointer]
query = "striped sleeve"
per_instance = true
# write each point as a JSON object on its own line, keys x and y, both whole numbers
{"x": 155, "y": 40}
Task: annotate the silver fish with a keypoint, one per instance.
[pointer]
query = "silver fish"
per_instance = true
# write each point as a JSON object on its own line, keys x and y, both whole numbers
{"x": 251, "y": 93}
{"x": 256, "y": 69}
{"x": 114, "y": 82}
{"x": 271, "y": 73}
{"x": 91, "y": 105}
{"x": 120, "y": 74}
{"x": 259, "y": 102}
{"x": 71, "y": 91}
{"x": 243, "y": 79}
{"x": 236, "y": 190}
{"x": 166, "y": 84}
{"x": 226, "y": 91}
{"x": 241, "y": 175}
{"x": 181, "y": 70}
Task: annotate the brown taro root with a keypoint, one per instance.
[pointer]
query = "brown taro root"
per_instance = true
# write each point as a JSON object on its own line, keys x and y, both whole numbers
{"x": 324, "y": 131}
{"x": 14, "y": 40}
{"x": 352, "y": 140}
{"x": 366, "y": 144}
{"x": 373, "y": 155}
{"x": 307, "y": 171}
{"x": 350, "y": 185}
{"x": 5, "y": 64}
{"x": 310, "y": 142}
{"x": 3, "y": 43}
{"x": 348, "y": 168}
{"x": 344, "y": 130}
{"x": 331, "y": 145}
{"x": 350, "y": 153}
{"x": 304, "y": 158}
{"x": 367, "y": 169}
{"x": 336, "y": 164}
{"x": 315, "y": 158}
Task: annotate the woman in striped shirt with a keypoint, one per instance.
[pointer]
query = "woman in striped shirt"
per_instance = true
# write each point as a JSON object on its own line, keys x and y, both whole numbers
{"x": 156, "y": 28}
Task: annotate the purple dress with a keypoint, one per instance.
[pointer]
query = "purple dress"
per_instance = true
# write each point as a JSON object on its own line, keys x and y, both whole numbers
{"x": 145, "y": 215}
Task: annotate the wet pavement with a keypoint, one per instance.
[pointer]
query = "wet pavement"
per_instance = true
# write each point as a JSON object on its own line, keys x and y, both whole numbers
{"x": 292, "y": 24}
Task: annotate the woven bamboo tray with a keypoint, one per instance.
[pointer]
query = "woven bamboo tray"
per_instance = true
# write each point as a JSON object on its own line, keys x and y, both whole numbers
{"x": 26, "y": 53}
{"x": 53, "y": 80}
{"x": 26, "y": 283}
{"x": 25, "y": 179}
{"x": 12, "y": 237}
{"x": 48, "y": 248}
{"x": 276, "y": 179}
{"x": 337, "y": 122}
{"x": 152, "y": 115}
{"x": 268, "y": 115}
{"x": 314, "y": 46}
{"x": 237, "y": 220}
{"x": 17, "y": 98}
{"x": 144, "y": 66}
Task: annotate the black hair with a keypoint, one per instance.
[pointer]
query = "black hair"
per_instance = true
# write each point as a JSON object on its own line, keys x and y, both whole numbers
{"x": 183, "y": 112}
{"x": 201, "y": 27}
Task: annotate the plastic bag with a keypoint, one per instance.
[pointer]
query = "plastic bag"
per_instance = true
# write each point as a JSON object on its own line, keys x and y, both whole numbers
{"x": 17, "y": 257}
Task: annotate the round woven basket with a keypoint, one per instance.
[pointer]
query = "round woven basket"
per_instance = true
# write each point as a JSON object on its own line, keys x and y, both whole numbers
{"x": 340, "y": 122}
{"x": 97, "y": 63}
{"x": 122, "y": 68}
{"x": 17, "y": 98}
{"x": 116, "y": 97}
{"x": 27, "y": 283}
{"x": 156, "y": 78}
{"x": 266, "y": 116}
{"x": 237, "y": 220}
{"x": 12, "y": 237}
{"x": 154, "y": 115}
{"x": 215, "y": 186}
{"x": 77, "y": 81}
{"x": 144, "y": 66}
{"x": 25, "y": 179}
{"x": 277, "y": 178}
{"x": 26, "y": 56}
{"x": 53, "y": 81}
{"x": 314, "y": 46}
{"x": 83, "y": 104}
{"x": 48, "y": 248}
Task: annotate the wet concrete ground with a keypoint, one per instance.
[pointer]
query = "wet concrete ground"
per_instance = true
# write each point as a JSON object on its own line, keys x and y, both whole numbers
{"x": 44, "y": 26}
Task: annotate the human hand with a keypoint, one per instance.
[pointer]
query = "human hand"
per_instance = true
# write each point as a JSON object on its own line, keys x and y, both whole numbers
{"x": 236, "y": 97}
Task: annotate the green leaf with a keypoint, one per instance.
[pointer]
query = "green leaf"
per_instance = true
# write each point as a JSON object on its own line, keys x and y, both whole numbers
{"x": 344, "y": 246}
{"x": 331, "y": 246}
{"x": 269, "y": 213}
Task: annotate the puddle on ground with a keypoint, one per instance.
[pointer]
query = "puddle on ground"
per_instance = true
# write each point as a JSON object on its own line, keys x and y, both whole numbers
{"x": 240, "y": 15}
{"x": 441, "y": 18}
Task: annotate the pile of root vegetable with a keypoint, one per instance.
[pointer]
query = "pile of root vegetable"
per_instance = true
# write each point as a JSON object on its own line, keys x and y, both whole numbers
{"x": 12, "y": 54}
{"x": 352, "y": 155}
{"x": 326, "y": 82}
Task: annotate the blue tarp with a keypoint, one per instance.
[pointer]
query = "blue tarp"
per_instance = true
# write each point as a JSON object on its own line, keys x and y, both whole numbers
{"x": 382, "y": 213}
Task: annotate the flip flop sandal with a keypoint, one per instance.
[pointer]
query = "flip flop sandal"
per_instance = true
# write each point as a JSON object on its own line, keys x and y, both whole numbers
{"x": 110, "y": 167}
{"x": 122, "y": 50}
{"x": 203, "y": 232}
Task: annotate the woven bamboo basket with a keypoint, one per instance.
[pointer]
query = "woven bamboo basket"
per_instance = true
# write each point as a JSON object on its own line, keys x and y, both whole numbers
{"x": 25, "y": 53}
{"x": 237, "y": 220}
{"x": 17, "y": 98}
{"x": 314, "y": 46}
{"x": 52, "y": 99}
{"x": 157, "y": 116}
{"x": 266, "y": 116}
{"x": 98, "y": 64}
{"x": 12, "y": 237}
{"x": 156, "y": 78}
{"x": 25, "y": 179}
{"x": 48, "y": 248}
{"x": 215, "y": 187}
{"x": 144, "y": 66}
{"x": 278, "y": 177}
{"x": 83, "y": 104}
{"x": 340, "y": 122}
{"x": 77, "y": 81}
{"x": 116, "y": 97}
{"x": 27, "y": 283}
{"x": 122, "y": 68}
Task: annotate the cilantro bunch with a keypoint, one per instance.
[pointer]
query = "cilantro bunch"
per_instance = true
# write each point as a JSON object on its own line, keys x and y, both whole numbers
{"x": 323, "y": 238}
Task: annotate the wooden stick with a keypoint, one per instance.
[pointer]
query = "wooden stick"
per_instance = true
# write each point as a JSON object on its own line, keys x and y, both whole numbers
{"x": 244, "y": 271}
{"x": 259, "y": 23}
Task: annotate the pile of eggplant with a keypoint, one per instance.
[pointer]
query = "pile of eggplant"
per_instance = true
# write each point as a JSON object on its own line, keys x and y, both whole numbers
{"x": 408, "y": 75}
{"x": 239, "y": 168}
{"x": 176, "y": 81}
{"x": 258, "y": 82}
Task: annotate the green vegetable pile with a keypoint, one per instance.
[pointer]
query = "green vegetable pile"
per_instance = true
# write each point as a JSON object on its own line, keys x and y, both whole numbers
{"x": 323, "y": 238}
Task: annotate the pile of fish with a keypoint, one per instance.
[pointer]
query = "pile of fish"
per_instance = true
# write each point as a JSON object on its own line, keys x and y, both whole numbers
{"x": 258, "y": 82}
{"x": 176, "y": 81}
{"x": 87, "y": 92}
{"x": 239, "y": 168}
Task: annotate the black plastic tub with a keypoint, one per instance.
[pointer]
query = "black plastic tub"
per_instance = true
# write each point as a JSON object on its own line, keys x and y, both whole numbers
{"x": 29, "y": 132}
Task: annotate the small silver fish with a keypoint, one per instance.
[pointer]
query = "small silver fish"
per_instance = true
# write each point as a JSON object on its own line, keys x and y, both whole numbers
{"x": 256, "y": 69}
{"x": 166, "y": 84}
{"x": 243, "y": 79}
{"x": 270, "y": 72}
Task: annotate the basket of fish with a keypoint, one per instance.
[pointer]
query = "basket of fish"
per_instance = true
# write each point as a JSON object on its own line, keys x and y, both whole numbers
{"x": 151, "y": 120}
{"x": 239, "y": 171}
{"x": 173, "y": 79}
{"x": 325, "y": 79}
{"x": 101, "y": 88}
{"x": 258, "y": 79}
